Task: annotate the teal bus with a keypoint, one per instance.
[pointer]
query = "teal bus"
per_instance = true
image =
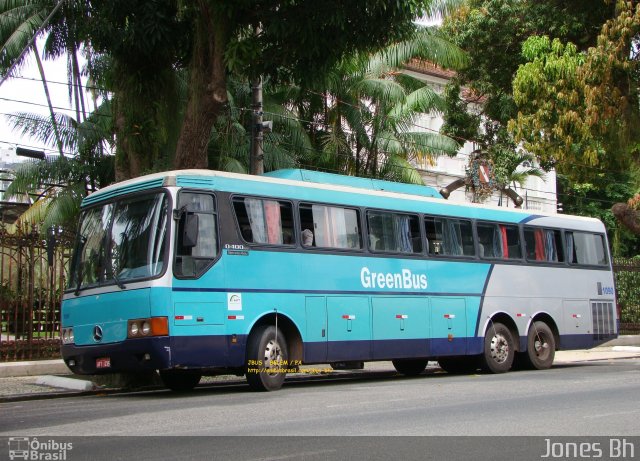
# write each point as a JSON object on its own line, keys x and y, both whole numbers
{"x": 197, "y": 272}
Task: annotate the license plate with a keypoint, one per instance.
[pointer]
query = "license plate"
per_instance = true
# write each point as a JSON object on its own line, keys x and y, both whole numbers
{"x": 103, "y": 362}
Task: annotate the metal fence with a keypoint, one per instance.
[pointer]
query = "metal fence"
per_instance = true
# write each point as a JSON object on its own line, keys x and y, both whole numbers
{"x": 32, "y": 278}
{"x": 627, "y": 273}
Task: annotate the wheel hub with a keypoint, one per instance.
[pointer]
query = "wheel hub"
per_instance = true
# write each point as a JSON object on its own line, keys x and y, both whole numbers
{"x": 499, "y": 348}
{"x": 273, "y": 357}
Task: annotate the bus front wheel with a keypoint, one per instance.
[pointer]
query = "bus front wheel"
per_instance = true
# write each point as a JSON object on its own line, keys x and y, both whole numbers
{"x": 267, "y": 359}
{"x": 410, "y": 367}
{"x": 499, "y": 349}
{"x": 541, "y": 347}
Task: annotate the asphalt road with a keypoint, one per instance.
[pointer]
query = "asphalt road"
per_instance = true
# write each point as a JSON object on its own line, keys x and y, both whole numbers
{"x": 574, "y": 401}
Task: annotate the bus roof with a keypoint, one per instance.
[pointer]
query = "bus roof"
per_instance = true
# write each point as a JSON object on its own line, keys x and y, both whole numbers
{"x": 333, "y": 183}
{"x": 351, "y": 181}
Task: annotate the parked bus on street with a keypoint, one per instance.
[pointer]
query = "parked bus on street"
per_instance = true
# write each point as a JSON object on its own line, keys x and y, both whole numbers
{"x": 200, "y": 272}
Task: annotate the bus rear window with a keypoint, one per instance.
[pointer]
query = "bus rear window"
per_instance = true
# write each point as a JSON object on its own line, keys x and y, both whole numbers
{"x": 585, "y": 248}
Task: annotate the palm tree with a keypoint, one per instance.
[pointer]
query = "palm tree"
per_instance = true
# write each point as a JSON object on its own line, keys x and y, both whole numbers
{"x": 367, "y": 125}
{"x": 359, "y": 121}
{"x": 59, "y": 185}
{"x": 22, "y": 22}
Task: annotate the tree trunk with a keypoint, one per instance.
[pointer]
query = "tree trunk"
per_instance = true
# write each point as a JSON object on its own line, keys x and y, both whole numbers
{"x": 54, "y": 123}
{"x": 207, "y": 88}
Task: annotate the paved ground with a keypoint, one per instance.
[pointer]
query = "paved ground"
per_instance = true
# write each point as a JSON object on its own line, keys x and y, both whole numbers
{"x": 51, "y": 378}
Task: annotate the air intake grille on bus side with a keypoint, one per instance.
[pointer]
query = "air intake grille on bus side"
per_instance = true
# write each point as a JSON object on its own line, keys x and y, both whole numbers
{"x": 603, "y": 320}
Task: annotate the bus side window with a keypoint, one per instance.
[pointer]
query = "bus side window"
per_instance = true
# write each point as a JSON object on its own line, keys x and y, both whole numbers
{"x": 394, "y": 232}
{"x": 544, "y": 245}
{"x": 332, "y": 226}
{"x": 449, "y": 237}
{"x": 193, "y": 257}
{"x": 264, "y": 221}
{"x": 499, "y": 241}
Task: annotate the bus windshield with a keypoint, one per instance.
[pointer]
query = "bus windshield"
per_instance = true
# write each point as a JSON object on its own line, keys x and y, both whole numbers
{"x": 121, "y": 241}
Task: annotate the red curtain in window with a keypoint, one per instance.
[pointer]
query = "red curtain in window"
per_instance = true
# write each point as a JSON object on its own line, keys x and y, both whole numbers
{"x": 505, "y": 246}
{"x": 274, "y": 227}
{"x": 539, "y": 236}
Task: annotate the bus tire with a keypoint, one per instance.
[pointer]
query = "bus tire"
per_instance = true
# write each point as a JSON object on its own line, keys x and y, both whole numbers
{"x": 499, "y": 349}
{"x": 541, "y": 347}
{"x": 459, "y": 365}
{"x": 179, "y": 381}
{"x": 267, "y": 357}
{"x": 410, "y": 367}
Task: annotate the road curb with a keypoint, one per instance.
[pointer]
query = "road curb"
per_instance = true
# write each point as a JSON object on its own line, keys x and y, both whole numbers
{"x": 33, "y": 368}
{"x": 66, "y": 383}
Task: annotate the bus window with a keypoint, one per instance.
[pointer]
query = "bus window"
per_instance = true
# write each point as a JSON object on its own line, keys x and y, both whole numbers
{"x": 194, "y": 257}
{"x": 393, "y": 232}
{"x": 264, "y": 221}
{"x": 449, "y": 237}
{"x": 330, "y": 227}
{"x": 585, "y": 248}
{"x": 544, "y": 245}
{"x": 499, "y": 241}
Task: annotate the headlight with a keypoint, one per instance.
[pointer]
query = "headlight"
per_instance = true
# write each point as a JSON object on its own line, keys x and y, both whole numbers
{"x": 154, "y": 326}
{"x": 67, "y": 335}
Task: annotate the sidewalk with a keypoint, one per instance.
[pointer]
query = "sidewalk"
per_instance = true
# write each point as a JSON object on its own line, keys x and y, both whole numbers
{"x": 51, "y": 378}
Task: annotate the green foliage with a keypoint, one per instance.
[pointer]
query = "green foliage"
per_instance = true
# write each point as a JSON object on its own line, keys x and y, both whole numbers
{"x": 549, "y": 95}
{"x": 628, "y": 291}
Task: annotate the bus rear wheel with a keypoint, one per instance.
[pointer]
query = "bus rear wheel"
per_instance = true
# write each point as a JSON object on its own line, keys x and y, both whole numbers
{"x": 499, "y": 349}
{"x": 410, "y": 367}
{"x": 267, "y": 359}
{"x": 541, "y": 347}
{"x": 179, "y": 381}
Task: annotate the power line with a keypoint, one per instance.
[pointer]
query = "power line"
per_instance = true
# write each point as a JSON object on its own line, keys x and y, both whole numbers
{"x": 31, "y": 42}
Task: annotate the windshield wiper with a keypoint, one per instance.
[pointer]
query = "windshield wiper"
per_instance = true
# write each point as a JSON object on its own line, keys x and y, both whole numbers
{"x": 121, "y": 285}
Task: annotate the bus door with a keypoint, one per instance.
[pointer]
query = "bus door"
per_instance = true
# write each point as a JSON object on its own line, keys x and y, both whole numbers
{"x": 349, "y": 328}
{"x": 449, "y": 326}
{"x": 200, "y": 306}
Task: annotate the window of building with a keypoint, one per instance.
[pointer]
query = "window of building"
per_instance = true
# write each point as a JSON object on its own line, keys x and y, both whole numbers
{"x": 449, "y": 237}
{"x": 394, "y": 232}
{"x": 330, "y": 227}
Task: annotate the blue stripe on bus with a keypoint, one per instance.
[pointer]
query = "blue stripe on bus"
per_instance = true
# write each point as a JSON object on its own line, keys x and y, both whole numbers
{"x": 531, "y": 218}
{"x": 484, "y": 292}
{"x": 318, "y": 292}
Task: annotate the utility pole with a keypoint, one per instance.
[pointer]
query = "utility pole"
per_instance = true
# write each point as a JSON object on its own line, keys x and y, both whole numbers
{"x": 258, "y": 129}
{"x": 256, "y": 161}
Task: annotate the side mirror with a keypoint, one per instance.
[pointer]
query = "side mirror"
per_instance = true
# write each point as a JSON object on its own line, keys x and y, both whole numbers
{"x": 190, "y": 230}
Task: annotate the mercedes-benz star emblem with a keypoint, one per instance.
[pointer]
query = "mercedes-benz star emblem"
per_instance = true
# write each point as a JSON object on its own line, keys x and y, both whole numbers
{"x": 97, "y": 333}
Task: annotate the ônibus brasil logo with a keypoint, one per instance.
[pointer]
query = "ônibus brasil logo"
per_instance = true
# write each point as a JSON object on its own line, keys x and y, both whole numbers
{"x": 41, "y": 450}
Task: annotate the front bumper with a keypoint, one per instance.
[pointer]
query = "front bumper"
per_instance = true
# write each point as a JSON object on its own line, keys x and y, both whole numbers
{"x": 132, "y": 355}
